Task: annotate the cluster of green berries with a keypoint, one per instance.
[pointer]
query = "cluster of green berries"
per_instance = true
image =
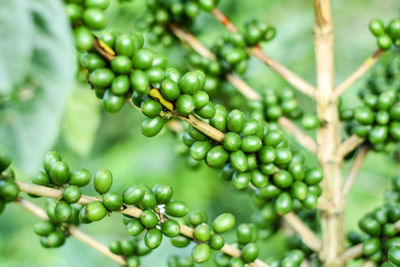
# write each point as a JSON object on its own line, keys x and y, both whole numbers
{"x": 161, "y": 13}
{"x": 378, "y": 118}
{"x": 131, "y": 249}
{"x": 380, "y": 233}
{"x": 257, "y": 153}
{"x": 386, "y": 36}
{"x": 283, "y": 103}
{"x": 9, "y": 190}
{"x": 86, "y": 15}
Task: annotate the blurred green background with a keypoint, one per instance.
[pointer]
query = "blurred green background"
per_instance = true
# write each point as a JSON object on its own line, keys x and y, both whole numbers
{"x": 90, "y": 138}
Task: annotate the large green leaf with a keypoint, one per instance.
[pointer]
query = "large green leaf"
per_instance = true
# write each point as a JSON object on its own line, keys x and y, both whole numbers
{"x": 39, "y": 59}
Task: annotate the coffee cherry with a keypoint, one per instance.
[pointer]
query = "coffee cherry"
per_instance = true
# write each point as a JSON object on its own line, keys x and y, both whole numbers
{"x": 310, "y": 121}
{"x": 176, "y": 209}
{"x": 199, "y": 149}
{"x": 83, "y": 216}
{"x": 236, "y": 262}
{"x": 189, "y": 83}
{"x": 394, "y": 255}
{"x": 235, "y": 120}
{"x": 124, "y": 45}
{"x": 217, "y": 242}
{"x": 239, "y": 161}
{"x": 163, "y": 193}
{"x": 370, "y": 226}
{"x": 8, "y": 190}
{"x": 153, "y": 238}
{"x": 202, "y": 232}
{"x": 244, "y": 233}
{"x": 49, "y": 159}
{"x": 185, "y": 104}
{"x": 74, "y": 12}
{"x": 43, "y": 228}
{"x": 143, "y": 59}
{"x": 394, "y": 29}
{"x": 258, "y": 179}
{"x": 201, "y": 253}
{"x": 112, "y": 103}
{"x": 232, "y": 141}
{"x": 283, "y": 179}
{"x": 102, "y": 180}
{"x": 394, "y": 131}
{"x": 180, "y": 241}
{"x": 170, "y": 228}
{"x": 59, "y": 172}
{"x": 151, "y": 108}
{"x": 217, "y": 157}
{"x": 149, "y": 219}
{"x": 251, "y": 144}
{"x": 389, "y": 230}
{"x": 273, "y": 138}
{"x": 80, "y": 177}
{"x": 377, "y": 27}
{"x": 283, "y": 203}
{"x": 201, "y": 99}
{"x": 133, "y": 195}
{"x": 92, "y": 61}
{"x": 121, "y": 64}
{"x": 120, "y": 85}
{"x": 249, "y": 252}
{"x": 94, "y": 18}
{"x": 84, "y": 39}
{"x": 95, "y": 211}
{"x": 55, "y": 239}
{"x": 297, "y": 170}
{"x": 208, "y": 111}
{"x": 311, "y": 201}
{"x": 170, "y": 90}
{"x": 101, "y": 77}
{"x": 384, "y": 42}
{"x": 133, "y": 261}
{"x": 378, "y": 134}
{"x": 72, "y": 194}
{"x": 313, "y": 177}
{"x": 152, "y": 126}
{"x": 62, "y": 211}
{"x": 127, "y": 247}
{"x": 148, "y": 201}
{"x": 241, "y": 180}
{"x": 112, "y": 201}
{"x": 371, "y": 246}
{"x": 134, "y": 228}
{"x": 299, "y": 190}
{"x": 155, "y": 74}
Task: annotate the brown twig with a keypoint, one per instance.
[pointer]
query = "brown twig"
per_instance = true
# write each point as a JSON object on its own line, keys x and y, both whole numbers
{"x": 365, "y": 66}
{"x": 203, "y": 127}
{"x": 248, "y": 92}
{"x": 354, "y": 170}
{"x": 129, "y": 210}
{"x": 307, "y": 236}
{"x": 286, "y": 74}
{"x": 349, "y": 145}
{"x": 73, "y": 230}
{"x": 304, "y": 139}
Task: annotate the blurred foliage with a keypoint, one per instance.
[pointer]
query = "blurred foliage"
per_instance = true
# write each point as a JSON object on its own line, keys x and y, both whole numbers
{"x": 91, "y": 138}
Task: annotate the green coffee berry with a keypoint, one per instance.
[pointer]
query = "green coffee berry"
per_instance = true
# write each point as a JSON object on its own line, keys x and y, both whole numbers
{"x": 176, "y": 209}
{"x": 153, "y": 238}
{"x": 80, "y": 177}
{"x": 112, "y": 201}
{"x": 72, "y": 193}
{"x": 149, "y": 219}
{"x": 102, "y": 180}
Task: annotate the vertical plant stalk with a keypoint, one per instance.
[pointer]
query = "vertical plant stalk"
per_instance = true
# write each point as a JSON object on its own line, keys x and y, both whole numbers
{"x": 73, "y": 230}
{"x": 328, "y": 137}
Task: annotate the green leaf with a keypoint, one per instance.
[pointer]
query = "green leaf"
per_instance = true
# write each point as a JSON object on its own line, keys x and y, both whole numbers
{"x": 31, "y": 112}
{"x": 16, "y": 45}
{"x": 81, "y": 121}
